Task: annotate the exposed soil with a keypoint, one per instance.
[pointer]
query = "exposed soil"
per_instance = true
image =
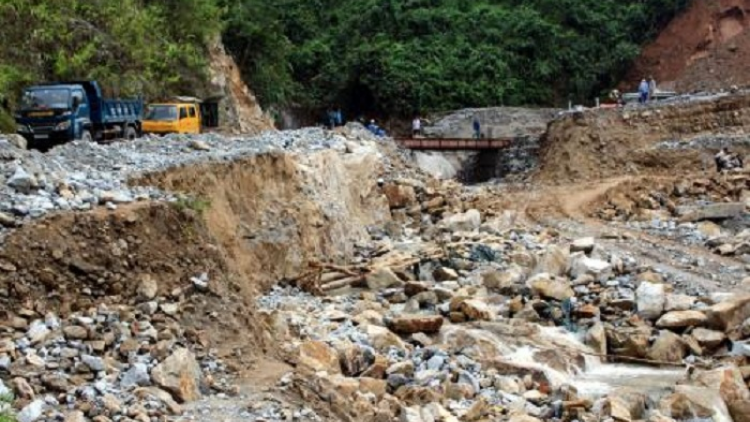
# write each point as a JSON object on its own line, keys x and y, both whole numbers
{"x": 662, "y": 139}
{"x": 707, "y": 47}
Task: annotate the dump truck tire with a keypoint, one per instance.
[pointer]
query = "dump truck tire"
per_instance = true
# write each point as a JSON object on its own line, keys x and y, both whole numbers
{"x": 130, "y": 134}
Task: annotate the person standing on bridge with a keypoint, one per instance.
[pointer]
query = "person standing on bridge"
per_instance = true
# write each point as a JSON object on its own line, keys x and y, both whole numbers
{"x": 643, "y": 91}
{"x": 416, "y": 127}
{"x": 477, "y": 128}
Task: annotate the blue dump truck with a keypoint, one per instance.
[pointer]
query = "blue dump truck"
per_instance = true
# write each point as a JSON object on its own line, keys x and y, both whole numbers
{"x": 56, "y": 113}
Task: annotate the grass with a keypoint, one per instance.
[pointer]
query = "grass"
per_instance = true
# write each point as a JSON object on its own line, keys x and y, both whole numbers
{"x": 6, "y": 409}
{"x": 197, "y": 204}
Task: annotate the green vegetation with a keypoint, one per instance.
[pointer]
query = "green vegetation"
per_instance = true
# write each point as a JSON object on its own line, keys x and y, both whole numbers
{"x": 401, "y": 56}
{"x": 392, "y": 57}
{"x": 133, "y": 47}
{"x": 6, "y": 412}
{"x": 198, "y": 205}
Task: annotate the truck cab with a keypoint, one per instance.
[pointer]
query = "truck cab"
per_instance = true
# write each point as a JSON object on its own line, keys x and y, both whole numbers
{"x": 164, "y": 118}
{"x": 55, "y": 113}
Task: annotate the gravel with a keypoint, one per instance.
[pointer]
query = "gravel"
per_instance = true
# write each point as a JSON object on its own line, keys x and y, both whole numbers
{"x": 79, "y": 176}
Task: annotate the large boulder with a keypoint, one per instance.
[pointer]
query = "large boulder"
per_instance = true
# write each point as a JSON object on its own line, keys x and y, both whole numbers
{"x": 399, "y": 196}
{"x": 22, "y": 181}
{"x": 717, "y": 211}
{"x": 502, "y": 280}
{"x": 650, "y": 300}
{"x": 727, "y": 381}
{"x": 596, "y": 338}
{"x": 729, "y": 314}
{"x": 555, "y": 261}
{"x": 318, "y": 356}
{"x": 472, "y": 309}
{"x": 32, "y": 412}
{"x": 582, "y": 265}
{"x": 708, "y": 339}
{"x": 694, "y": 403}
{"x": 585, "y": 245}
{"x": 180, "y": 375}
{"x": 382, "y": 338}
{"x": 382, "y": 278}
{"x": 740, "y": 411}
{"x": 668, "y": 347}
{"x": 466, "y": 222}
{"x": 682, "y": 319}
{"x": 628, "y": 341}
{"x": 550, "y": 288}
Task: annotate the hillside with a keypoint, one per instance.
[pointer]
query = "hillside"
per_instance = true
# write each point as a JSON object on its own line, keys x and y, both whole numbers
{"x": 707, "y": 47}
{"x": 392, "y": 58}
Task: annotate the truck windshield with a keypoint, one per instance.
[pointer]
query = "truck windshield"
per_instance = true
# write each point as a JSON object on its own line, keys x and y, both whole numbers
{"x": 35, "y": 99}
{"x": 162, "y": 113}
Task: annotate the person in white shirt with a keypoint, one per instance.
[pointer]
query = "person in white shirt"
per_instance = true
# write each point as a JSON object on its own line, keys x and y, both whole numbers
{"x": 416, "y": 127}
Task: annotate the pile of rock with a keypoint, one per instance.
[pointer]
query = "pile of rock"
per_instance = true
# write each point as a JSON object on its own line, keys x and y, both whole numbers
{"x": 80, "y": 176}
{"x": 460, "y": 338}
{"x": 126, "y": 363}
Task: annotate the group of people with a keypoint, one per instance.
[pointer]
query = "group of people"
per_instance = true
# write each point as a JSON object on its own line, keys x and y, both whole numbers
{"x": 727, "y": 161}
{"x": 646, "y": 90}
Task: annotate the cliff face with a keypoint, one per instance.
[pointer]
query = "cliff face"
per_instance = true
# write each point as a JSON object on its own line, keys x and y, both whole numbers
{"x": 239, "y": 109}
{"x": 707, "y": 47}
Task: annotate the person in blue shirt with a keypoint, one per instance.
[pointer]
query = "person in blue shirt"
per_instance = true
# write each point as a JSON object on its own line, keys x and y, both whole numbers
{"x": 338, "y": 117}
{"x": 477, "y": 128}
{"x": 643, "y": 90}
{"x": 372, "y": 127}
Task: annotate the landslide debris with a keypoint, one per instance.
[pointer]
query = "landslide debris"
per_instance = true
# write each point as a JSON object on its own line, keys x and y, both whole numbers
{"x": 317, "y": 276}
{"x": 664, "y": 138}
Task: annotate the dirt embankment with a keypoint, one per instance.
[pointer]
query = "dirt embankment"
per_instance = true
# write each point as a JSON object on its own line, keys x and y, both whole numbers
{"x": 638, "y": 141}
{"x": 707, "y": 47}
{"x": 252, "y": 223}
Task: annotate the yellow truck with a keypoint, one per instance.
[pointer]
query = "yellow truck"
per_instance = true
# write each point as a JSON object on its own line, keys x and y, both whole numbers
{"x": 166, "y": 118}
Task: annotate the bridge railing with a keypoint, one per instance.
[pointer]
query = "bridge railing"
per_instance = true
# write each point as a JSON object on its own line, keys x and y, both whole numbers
{"x": 454, "y": 143}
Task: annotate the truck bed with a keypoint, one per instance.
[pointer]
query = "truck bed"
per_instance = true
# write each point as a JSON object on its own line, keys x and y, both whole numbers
{"x": 119, "y": 111}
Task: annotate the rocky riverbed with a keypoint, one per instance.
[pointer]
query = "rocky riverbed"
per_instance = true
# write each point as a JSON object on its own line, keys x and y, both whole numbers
{"x": 439, "y": 312}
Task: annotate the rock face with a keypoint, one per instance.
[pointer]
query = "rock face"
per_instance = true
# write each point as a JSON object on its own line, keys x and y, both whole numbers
{"x": 239, "y": 110}
{"x": 650, "y": 300}
{"x": 179, "y": 374}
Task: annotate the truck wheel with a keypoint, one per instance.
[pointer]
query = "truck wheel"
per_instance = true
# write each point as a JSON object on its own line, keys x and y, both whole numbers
{"x": 86, "y": 136}
{"x": 130, "y": 134}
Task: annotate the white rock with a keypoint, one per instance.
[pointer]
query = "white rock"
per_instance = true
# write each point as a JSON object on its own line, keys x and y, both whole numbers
{"x": 32, "y": 412}
{"x": 466, "y": 222}
{"x": 650, "y": 300}
{"x": 585, "y": 245}
{"x": 22, "y": 181}
{"x": 37, "y": 331}
{"x": 583, "y": 265}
